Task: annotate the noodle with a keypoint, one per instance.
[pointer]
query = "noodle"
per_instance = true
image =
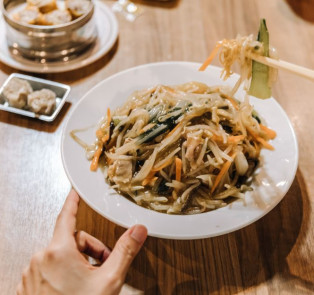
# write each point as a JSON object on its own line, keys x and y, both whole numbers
{"x": 213, "y": 137}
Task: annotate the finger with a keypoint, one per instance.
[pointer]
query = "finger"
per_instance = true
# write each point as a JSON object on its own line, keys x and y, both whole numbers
{"x": 19, "y": 289}
{"x": 91, "y": 246}
{"x": 124, "y": 251}
{"x": 27, "y": 281}
{"x": 34, "y": 270}
{"x": 66, "y": 221}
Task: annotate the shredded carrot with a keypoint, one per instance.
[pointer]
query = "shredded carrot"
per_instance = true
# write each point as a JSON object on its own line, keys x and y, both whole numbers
{"x": 167, "y": 163}
{"x": 222, "y": 172}
{"x": 105, "y": 138}
{"x": 108, "y": 117}
{"x": 149, "y": 178}
{"x": 261, "y": 140}
{"x": 149, "y": 181}
{"x": 233, "y": 102}
{"x": 233, "y": 139}
{"x": 94, "y": 164}
{"x": 146, "y": 181}
{"x": 152, "y": 182}
{"x": 216, "y": 138}
{"x": 99, "y": 133}
{"x": 178, "y": 169}
{"x": 109, "y": 161}
{"x": 265, "y": 144}
{"x": 271, "y": 134}
{"x": 210, "y": 58}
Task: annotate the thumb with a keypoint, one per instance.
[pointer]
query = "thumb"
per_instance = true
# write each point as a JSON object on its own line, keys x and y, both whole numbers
{"x": 125, "y": 250}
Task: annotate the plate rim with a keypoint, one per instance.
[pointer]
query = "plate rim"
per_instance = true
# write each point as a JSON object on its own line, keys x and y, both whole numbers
{"x": 166, "y": 235}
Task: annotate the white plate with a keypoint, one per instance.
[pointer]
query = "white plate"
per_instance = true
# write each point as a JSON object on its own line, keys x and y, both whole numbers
{"x": 107, "y": 27}
{"x": 270, "y": 185}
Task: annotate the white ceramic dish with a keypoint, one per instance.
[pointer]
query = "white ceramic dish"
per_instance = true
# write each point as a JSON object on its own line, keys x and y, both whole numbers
{"x": 107, "y": 27}
{"x": 61, "y": 91}
{"x": 270, "y": 185}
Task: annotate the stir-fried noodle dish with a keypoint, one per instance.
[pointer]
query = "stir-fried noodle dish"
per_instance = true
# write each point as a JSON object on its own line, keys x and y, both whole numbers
{"x": 182, "y": 149}
{"x": 188, "y": 148}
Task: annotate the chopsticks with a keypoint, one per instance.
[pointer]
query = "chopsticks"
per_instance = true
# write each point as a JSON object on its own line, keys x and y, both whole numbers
{"x": 281, "y": 64}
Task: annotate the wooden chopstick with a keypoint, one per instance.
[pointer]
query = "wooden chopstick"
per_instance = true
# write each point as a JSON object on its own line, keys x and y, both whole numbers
{"x": 281, "y": 64}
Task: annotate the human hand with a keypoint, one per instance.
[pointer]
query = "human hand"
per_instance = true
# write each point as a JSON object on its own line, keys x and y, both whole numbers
{"x": 62, "y": 269}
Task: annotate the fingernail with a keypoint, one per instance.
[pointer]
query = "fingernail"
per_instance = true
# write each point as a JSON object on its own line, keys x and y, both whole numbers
{"x": 139, "y": 233}
{"x": 105, "y": 254}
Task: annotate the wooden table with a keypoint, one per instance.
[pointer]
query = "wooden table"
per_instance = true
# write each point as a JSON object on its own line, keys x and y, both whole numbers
{"x": 273, "y": 255}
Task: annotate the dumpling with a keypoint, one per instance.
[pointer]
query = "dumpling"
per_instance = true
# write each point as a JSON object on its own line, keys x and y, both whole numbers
{"x": 44, "y": 6}
{"x": 42, "y": 101}
{"x": 56, "y": 17}
{"x": 29, "y": 15}
{"x": 16, "y": 92}
{"x": 78, "y": 7}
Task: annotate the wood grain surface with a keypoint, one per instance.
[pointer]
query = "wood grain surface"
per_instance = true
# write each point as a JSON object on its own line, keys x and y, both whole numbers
{"x": 272, "y": 256}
